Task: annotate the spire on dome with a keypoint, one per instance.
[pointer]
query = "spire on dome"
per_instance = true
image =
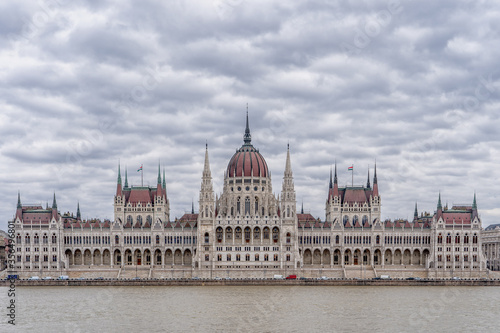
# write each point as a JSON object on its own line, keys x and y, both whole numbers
{"x": 78, "y": 215}
{"x": 54, "y": 203}
{"x": 247, "y": 138}
{"x": 19, "y": 200}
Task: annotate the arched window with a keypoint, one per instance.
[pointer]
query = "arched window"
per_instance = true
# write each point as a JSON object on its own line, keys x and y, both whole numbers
{"x": 275, "y": 257}
{"x": 149, "y": 219}
{"x": 45, "y": 239}
{"x": 247, "y": 206}
{"x": 448, "y": 238}
{"x": 457, "y": 239}
{"x": 247, "y": 257}
{"x": 238, "y": 206}
{"x": 237, "y": 233}
{"x": 18, "y": 239}
{"x": 228, "y": 257}
{"x": 37, "y": 239}
{"x": 466, "y": 239}
{"x": 337, "y": 239}
{"x": 139, "y": 220}
{"x": 266, "y": 233}
{"x": 256, "y": 233}
{"x": 157, "y": 239}
{"x": 129, "y": 219}
{"x": 365, "y": 219}
{"x": 276, "y": 234}
{"x": 378, "y": 239}
{"x": 440, "y": 239}
{"x": 256, "y": 206}
{"x": 346, "y": 219}
{"x": 229, "y": 233}
{"x": 219, "y": 234}
{"x": 117, "y": 240}
{"x": 54, "y": 239}
{"x": 287, "y": 211}
{"x": 262, "y": 211}
{"x": 257, "y": 257}
{"x": 206, "y": 237}
{"x": 355, "y": 219}
{"x": 287, "y": 238}
{"x": 247, "y": 234}
{"x": 474, "y": 239}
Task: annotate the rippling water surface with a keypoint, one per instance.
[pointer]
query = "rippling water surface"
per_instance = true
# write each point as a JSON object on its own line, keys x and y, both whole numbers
{"x": 254, "y": 309}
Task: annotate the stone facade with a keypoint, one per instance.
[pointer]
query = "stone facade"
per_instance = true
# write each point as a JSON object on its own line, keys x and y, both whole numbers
{"x": 247, "y": 231}
{"x": 491, "y": 246}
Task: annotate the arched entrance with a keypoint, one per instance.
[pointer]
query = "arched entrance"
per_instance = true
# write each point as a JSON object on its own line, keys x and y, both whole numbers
{"x": 397, "y": 257}
{"x": 97, "y": 257}
{"x": 147, "y": 257}
{"x": 69, "y": 255}
{"x": 317, "y": 257}
{"x": 87, "y": 258}
{"x": 106, "y": 258}
{"x": 366, "y": 257}
{"x": 415, "y": 260}
{"x": 188, "y": 257}
{"x": 326, "y": 257}
{"x": 157, "y": 257}
{"x": 388, "y": 257}
{"x": 307, "y": 257}
{"x": 377, "y": 257}
{"x": 178, "y": 257}
{"x": 169, "y": 257}
{"x": 137, "y": 257}
{"x": 336, "y": 257}
{"x": 357, "y": 257}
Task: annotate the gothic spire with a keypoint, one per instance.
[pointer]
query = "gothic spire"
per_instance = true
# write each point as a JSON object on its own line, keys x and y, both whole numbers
{"x": 302, "y": 208}
{"x": 54, "y": 203}
{"x": 19, "y": 200}
{"x": 192, "y": 206}
{"x": 368, "y": 181}
{"x": 375, "y": 176}
{"x": 288, "y": 166}
{"x": 164, "y": 185}
{"x": 206, "y": 168}
{"x": 126, "y": 179}
{"x": 415, "y": 214}
{"x": 335, "y": 177}
{"x": 474, "y": 203}
{"x": 247, "y": 138}
{"x": 439, "y": 207}
{"x": 78, "y": 215}
{"x": 331, "y": 182}
{"x": 159, "y": 174}
{"x": 119, "y": 175}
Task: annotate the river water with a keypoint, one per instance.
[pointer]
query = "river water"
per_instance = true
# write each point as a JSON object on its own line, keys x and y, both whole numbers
{"x": 254, "y": 309}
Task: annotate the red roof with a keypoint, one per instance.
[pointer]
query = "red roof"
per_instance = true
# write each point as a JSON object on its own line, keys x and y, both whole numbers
{"x": 142, "y": 195}
{"x": 457, "y": 218}
{"x": 247, "y": 161}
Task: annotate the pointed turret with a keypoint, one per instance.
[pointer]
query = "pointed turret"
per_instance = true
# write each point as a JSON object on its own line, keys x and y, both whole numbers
{"x": 206, "y": 203}
{"x": 159, "y": 174}
{"x": 19, "y": 200}
{"x": 54, "y": 203}
{"x": 288, "y": 165}
{"x": 192, "y": 207}
{"x": 474, "y": 207}
{"x": 415, "y": 214}
{"x": 302, "y": 208}
{"x": 159, "y": 189}
{"x": 375, "y": 182}
{"x": 247, "y": 138}
{"x": 288, "y": 203}
{"x": 439, "y": 208}
{"x": 331, "y": 179}
{"x": 206, "y": 166}
{"x": 368, "y": 180}
{"x": 126, "y": 178}
{"x": 335, "y": 183}
{"x": 119, "y": 182}
{"x": 78, "y": 214}
{"x": 164, "y": 184}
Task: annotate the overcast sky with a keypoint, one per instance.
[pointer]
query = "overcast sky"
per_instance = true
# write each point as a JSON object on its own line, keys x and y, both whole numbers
{"x": 86, "y": 85}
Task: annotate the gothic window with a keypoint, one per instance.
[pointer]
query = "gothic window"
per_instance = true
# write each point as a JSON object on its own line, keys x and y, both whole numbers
{"x": 275, "y": 257}
{"x": 36, "y": 239}
{"x": 247, "y": 206}
{"x": 247, "y": 257}
{"x": 206, "y": 211}
{"x": 219, "y": 257}
{"x": 117, "y": 240}
{"x": 18, "y": 239}
{"x": 266, "y": 257}
{"x": 247, "y": 234}
{"x": 288, "y": 211}
{"x": 149, "y": 219}
{"x": 237, "y": 233}
{"x": 54, "y": 239}
{"x": 276, "y": 234}
{"x": 206, "y": 237}
{"x": 474, "y": 239}
{"x": 457, "y": 239}
{"x": 238, "y": 257}
{"x": 45, "y": 239}
{"x": 238, "y": 208}
{"x": 157, "y": 239}
{"x": 257, "y": 257}
{"x": 232, "y": 211}
{"x": 287, "y": 257}
{"x": 262, "y": 211}
{"x": 378, "y": 239}
{"x": 354, "y": 219}
{"x": 139, "y": 220}
{"x": 129, "y": 219}
{"x": 448, "y": 238}
{"x": 229, "y": 233}
{"x": 440, "y": 239}
{"x": 337, "y": 239}
{"x": 256, "y": 205}
{"x": 288, "y": 238}
{"x": 466, "y": 239}
{"x": 219, "y": 234}
{"x": 207, "y": 257}
{"x": 346, "y": 219}
{"x": 228, "y": 257}
{"x": 365, "y": 219}
{"x": 256, "y": 233}
{"x": 266, "y": 233}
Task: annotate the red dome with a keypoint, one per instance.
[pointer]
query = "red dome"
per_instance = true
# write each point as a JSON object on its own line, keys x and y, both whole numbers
{"x": 247, "y": 162}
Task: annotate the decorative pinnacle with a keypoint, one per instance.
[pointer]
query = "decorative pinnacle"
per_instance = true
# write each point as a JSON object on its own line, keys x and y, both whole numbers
{"x": 416, "y": 211}
{"x": 335, "y": 176}
{"x": 78, "y": 215}
{"x": 119, "y": 175}
{"x": 440, "y": 207}
{"x": 368, "y": 181}
{"x": 19, "y": 200}
{"x": 159, "y": 174}
{"x": 375, "y": 176}
{"x": 331, "y": 181}
{"x": 126, "y": 178}
{"x": 247, "y": 138}
{"x": 54, "y": 203}
{"x": 474, "y": 203}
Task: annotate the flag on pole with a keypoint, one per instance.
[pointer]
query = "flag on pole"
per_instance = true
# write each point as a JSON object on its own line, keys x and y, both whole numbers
{"x": 140, "y": 169}
{"x": 351, "y": 168}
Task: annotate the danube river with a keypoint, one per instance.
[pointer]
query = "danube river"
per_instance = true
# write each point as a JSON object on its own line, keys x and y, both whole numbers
{"x": 254, "y": 309}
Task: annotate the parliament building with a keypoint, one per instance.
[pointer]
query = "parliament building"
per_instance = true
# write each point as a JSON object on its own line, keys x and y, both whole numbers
{"x": 248, "y": 232}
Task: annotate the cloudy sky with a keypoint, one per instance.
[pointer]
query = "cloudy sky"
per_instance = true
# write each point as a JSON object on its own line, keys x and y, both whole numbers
{"x": 86, "y": 85}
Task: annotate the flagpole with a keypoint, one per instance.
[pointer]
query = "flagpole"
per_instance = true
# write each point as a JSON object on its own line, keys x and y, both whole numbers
{"x": 352, "y": 176}
{"x": 142, "y": 176}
